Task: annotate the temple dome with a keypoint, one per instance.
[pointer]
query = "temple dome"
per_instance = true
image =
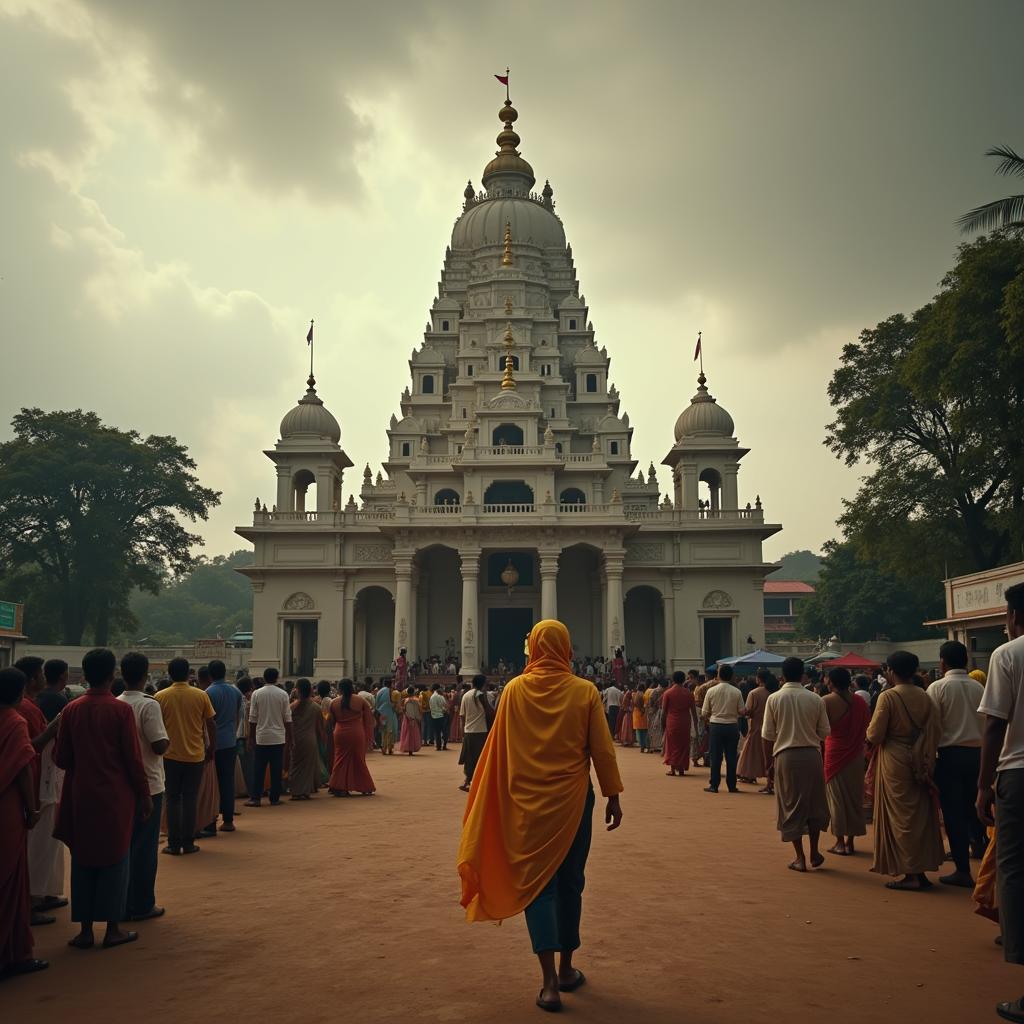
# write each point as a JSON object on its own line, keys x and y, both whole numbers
{"x": 310, "y": 420}
{"x": 704, "y": 417}
{"x": 530, "y": 222}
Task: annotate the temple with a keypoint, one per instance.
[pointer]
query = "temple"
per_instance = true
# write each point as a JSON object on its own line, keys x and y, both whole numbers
{"x": 509, "y": 491}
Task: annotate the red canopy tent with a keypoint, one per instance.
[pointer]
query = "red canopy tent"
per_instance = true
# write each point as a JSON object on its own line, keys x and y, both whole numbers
{"x": 852, "y": 661}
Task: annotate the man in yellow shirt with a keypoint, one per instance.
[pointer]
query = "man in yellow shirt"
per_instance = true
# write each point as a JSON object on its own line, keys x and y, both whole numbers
{"x": 188, "y": 715}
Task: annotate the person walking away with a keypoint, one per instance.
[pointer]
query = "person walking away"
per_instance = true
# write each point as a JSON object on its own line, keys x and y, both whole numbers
{"x": 307, "y": 727}
{"x": 189, "y": 720}
{"x": 439, "y": 717}
{"x": 679, "y": 715}
{"x": 796, "y": 722}
{"x": 19, "y": 814}
{"x": 243, "y": 773}
{"x": 958, "y": 760}
{"x": 105, "y": 791}
{"x": 848, "y": 717}
{"x": 352, "y": 719}
{"x": 144, "y": 851}
{"x": 655, "y": 721}
{"x": 45, "y": 853}
{"x": 1001, "y": 783}
{"x": 527, "y": 828}
{"x": 385, "y": 708}
{"x": 454, "y": 715}
{"x": 751, "y": 764}
{"x": 270, "y": 737}
{"x": 771, "y": 684}
{"x": 611, "y": 697}
{"x": 227, "y": 703}
{"x": 903, "y": 735}
{"x": 412, "y": 716}
{"x": 702, "y": 740}
{"x": 475, "y": 720}
{"x": 640, "y": 716}
{"x": 722, "y": 708}
{"x": 426, "y": 720}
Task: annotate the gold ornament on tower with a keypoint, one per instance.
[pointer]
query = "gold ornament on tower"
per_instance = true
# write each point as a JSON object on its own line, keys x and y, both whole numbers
{"x": 506, "y": 257}
{"x": 508, "y": 303}
{"x": 508, "y": 382}
{"x": 510, "y": 576}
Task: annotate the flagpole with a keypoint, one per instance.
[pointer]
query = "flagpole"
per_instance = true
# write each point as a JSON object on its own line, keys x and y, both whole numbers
{"x": 701, "y": 350}
{"x": 508, "y": 72}
{"x": 311, "y": 348}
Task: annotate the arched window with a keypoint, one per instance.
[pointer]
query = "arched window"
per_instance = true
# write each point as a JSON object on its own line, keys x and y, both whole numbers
{"x": 428, "y": 384}
{"x": 711, "y": 493}
{"x": 303, "y": 500}
{"x": 591, "y": 383}
{"x": 446, "y": 496}
{"x": 507, "y": 435}
{"x": 572, "y": 496}
{"x": 508, "y": 492}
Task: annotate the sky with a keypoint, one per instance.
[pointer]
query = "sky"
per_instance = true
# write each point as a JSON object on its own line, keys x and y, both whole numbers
{"x": 185, "y": 185}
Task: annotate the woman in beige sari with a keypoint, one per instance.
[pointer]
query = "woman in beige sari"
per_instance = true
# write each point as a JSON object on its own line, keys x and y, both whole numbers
{"x": 751, "y": 764}
{"x": 903, "y": 735}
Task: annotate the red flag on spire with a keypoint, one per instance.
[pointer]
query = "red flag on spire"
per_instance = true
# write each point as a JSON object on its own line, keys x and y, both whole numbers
{"x": 502, "y": 78}
{"x": 696, "y": 351}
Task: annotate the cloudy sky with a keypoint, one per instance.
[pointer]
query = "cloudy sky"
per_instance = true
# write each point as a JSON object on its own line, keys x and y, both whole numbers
{"x": 186, "y": 184}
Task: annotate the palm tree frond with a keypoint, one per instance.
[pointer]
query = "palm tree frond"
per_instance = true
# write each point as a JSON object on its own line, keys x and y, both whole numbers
{"x": 1012, "y": 163}
{"x": 1002, "y": 213}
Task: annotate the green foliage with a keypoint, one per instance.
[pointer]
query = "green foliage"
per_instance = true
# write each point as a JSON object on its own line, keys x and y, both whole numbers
{"x": 213, "y": 599}
{"x": 89, "y": 513}
{"x": 858, "y": 600}
{"x": 798, "y": 565}
{"x": 1000, "y": 213}
{"x": 936, "y": 403}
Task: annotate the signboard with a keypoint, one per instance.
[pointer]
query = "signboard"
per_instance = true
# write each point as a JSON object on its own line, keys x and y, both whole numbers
{"x": 10, "y": 617}
{"x": 974, "y": 597}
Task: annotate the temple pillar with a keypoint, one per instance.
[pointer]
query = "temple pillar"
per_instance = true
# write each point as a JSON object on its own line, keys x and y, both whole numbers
{"x": 549, "y": 584}
{"x": 614, "y": 615}
{"x": 470, "y": 614}
{"x": 403, "y": 601}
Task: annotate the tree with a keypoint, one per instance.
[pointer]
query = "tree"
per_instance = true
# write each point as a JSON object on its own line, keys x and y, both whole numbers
{"x": 798, "y": 565}
{"x": 858, "y": 600}
{"x": 1000, "y": 213}
{"x": 936, "y": 402}
{"x": 93, "y": 512}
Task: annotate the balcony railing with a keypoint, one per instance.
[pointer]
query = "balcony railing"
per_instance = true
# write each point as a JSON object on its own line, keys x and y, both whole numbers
{"x": 508, "y": 509}
{"x": 503, "y": 451}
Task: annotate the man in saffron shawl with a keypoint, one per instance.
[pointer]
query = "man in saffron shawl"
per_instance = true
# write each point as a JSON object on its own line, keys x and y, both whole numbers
{"x": 527, "y": 827}
{"x": 679, "y": 713}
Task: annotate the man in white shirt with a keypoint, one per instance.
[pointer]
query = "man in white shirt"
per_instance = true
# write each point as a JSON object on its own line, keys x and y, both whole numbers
{"x": 438, "y": 705}
{"x": 796, "y": 721}
{"x": 611, "y": 697}
{"x": 957, "y": 696}
{"x": 862, "y": 690}
{"x": 270, "y": 737}
{"x": 153, "y": 742}
{"x": 474, "y": 726}
{"x": 1001, "y": 780}
{"x": 722, "y": 708}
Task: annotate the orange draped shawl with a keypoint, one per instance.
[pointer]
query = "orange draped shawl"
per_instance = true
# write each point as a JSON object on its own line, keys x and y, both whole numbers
{"x": 530, "y": 785}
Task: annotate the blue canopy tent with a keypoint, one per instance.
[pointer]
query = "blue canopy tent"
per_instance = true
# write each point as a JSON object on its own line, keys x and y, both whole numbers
{"x": 753, "y": 660}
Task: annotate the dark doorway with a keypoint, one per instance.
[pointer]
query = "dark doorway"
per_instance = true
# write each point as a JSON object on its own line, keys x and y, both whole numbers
{"x": 717, "y": 639}
{"x": 507, "y": 630}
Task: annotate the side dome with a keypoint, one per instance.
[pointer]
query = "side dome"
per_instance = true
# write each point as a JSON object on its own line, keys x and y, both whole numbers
{"x": 530, "y": 222}
{"x": 310, "y": 420}
{"x": 704, "y": 417}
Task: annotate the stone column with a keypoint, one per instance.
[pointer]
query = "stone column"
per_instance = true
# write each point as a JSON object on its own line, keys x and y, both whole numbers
{"x": 669, "y": 603}
{"x": 403, "y": 601}
{"x": 614, "y": 615}
{"x": 549, "y": 584}
{"x": 414, "y": 615}
{"x": 348, "y": 646}
{"x": 284, "y": 489}
{"x": 470, "y": 613}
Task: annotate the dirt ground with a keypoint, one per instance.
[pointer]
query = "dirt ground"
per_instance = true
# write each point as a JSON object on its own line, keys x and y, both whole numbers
{"x": 348, "y": 910}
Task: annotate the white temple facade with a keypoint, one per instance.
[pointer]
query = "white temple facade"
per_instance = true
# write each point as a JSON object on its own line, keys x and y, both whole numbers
{"x": 509, "y": 492}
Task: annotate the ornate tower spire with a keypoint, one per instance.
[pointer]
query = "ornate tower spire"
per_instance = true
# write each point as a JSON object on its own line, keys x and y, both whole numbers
{"x": 508, "y": 381}
{"x": 508, "y": 172}
{"x": 506, "y": 256}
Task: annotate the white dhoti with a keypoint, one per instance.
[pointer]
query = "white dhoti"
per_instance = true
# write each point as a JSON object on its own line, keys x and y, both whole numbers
{"x": 45, "y": 857}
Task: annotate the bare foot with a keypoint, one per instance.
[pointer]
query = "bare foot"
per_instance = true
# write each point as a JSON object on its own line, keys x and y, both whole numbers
{"x": 798, "y": 865}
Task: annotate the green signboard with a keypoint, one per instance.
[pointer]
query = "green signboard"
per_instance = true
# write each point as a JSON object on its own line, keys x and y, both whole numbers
{"x": 8, "y": 616}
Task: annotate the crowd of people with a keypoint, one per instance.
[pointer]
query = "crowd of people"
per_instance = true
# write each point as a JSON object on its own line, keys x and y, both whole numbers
{"x": 103, "y": 776}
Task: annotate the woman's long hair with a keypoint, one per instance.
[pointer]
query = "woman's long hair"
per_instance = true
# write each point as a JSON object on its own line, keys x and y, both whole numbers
{"x": 346, "y": 688}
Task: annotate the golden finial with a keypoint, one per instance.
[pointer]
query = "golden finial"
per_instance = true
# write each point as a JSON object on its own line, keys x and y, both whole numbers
{"x": 507, "y": 382}
{"x": 508, "y": 303}
{"x": 506, "y": 259}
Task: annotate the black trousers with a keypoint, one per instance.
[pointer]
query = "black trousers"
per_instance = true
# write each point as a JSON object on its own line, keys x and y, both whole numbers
{"x": 440, "y": 731}
{"x": 1010, "y": 861}
{"x": 267, "y": 754}
{"x": 142, "y": 861}
{"x": 724, "y": 741}
{"x": 956, "y": 775}
{"x": 181, "y": 787}
{"x": 224, "y": 761}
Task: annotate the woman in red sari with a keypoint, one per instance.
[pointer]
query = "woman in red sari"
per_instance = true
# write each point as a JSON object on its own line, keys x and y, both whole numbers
{"x": 678, "y": 714}
{"x": 353, "y": 729}
{"x": 848, "y": 716}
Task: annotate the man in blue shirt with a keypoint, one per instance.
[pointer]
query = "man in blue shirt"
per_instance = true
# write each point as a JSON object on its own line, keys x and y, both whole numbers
{"x": 227, "y": 703}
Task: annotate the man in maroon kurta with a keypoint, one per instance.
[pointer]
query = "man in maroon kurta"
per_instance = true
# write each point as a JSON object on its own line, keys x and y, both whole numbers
{"x": 39, "y": 733}
{"x": 19, "y": 811}
{"x": 678, "y": 712}
{"x": 98, "y": 748}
